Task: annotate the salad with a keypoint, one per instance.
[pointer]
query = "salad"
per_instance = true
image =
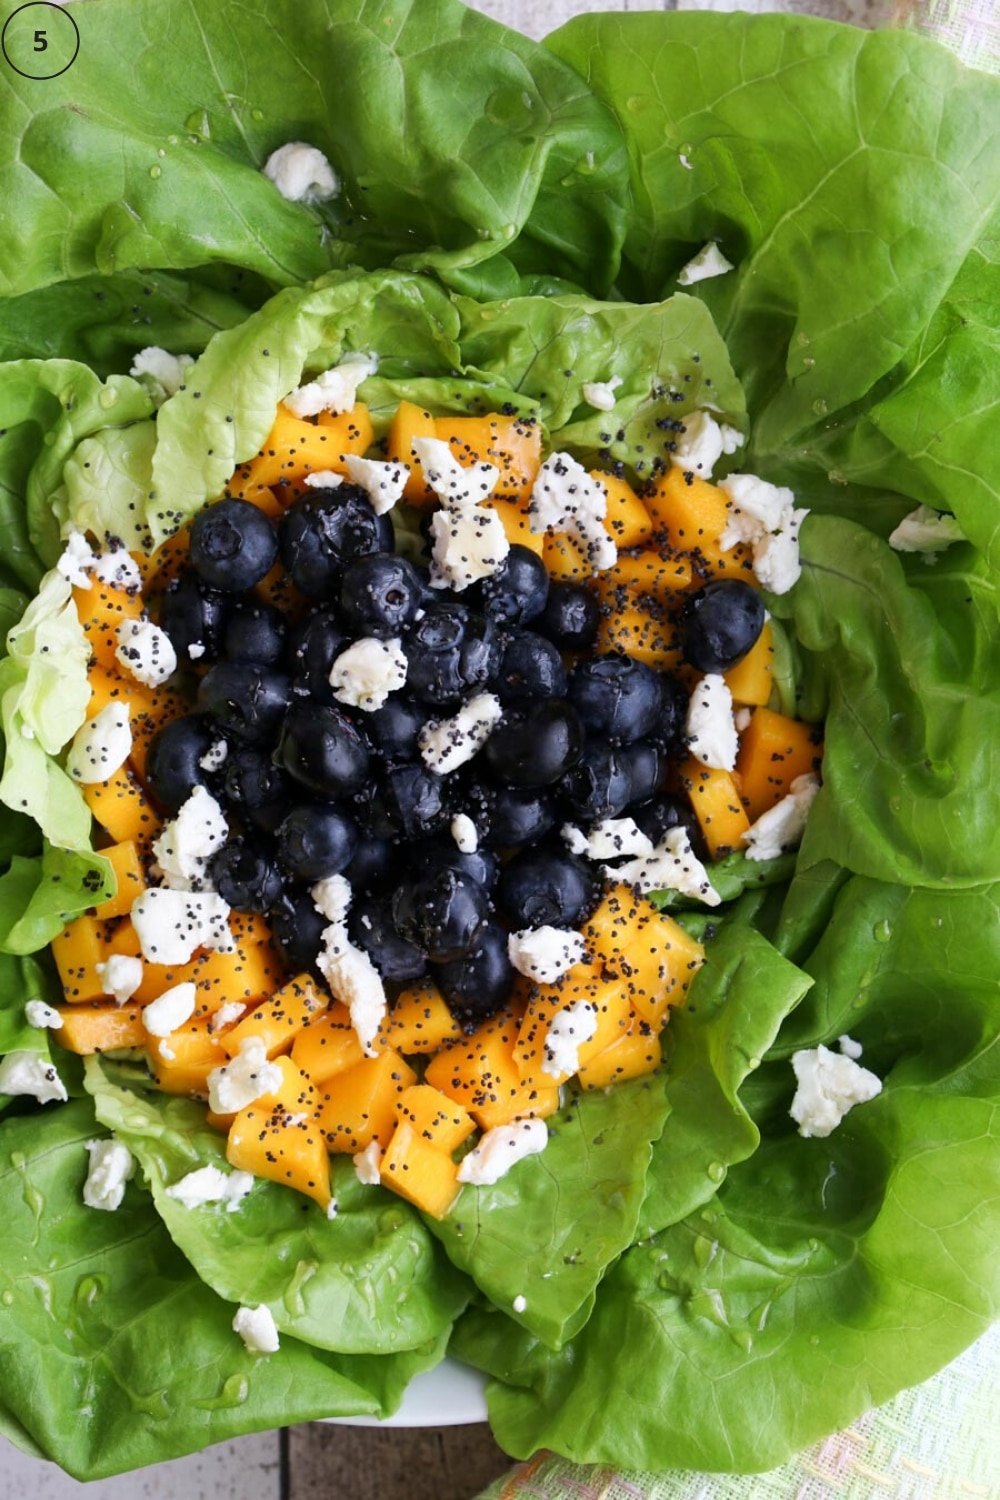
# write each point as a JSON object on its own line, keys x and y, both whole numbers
{"x": 770, "y": 1286}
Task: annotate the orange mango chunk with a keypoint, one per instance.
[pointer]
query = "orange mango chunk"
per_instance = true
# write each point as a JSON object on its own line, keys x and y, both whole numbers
{"x": 436, "y": 1119}
{"x": 512, "y": 444}
{"x": 328, "y": 1046}
{"x": 359, "y": 1105}
{"x": 419, "y": 1172}
{"x": 130, "y": 879}
{"x": 627, "y": 520}
{"x": 612, "y": 1012}
{"x": 636, "y": 1052}
{"x": 774, "y": 750}
{"x": 715, "y": 798}
{"x": 100, "y": 1026}
{"x": 409, "y": 422}
{"x": 751, "y": 679}
{"x": 278, "y": 1019}
{"x": 419, "y": 1021}
{"x": 102, "y": 609}
{"x": 481, "y": 1073}
{"x": 122, "y": 808}
{"x": 278, "y": 1137}
{"x": 646, "y": 950}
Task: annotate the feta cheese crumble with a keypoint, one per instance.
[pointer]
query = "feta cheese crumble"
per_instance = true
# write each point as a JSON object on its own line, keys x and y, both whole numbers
{"x": 76, "y": 560}
{"x": 366, "y": 673}
{"x": 457, "y": 487}
{"x": 226, "y": 1015}
{"x": 42, "y": 1016}
{"x": 367, "y": 1164}
{"x": 258, "y": 1330}
{"x": 925, "y": 530}
{"x": 116, "y": 568}
{"x": 709, "y": 262}
{"x": 464, "y": 832}
{"x": 446, "y": 744}
{"x": 467, "y": 544}
{"x": 161, "y": 373}
{"x": 32, "y": 1075}
{"x": 215, "y": 756}
{"x": 384, "y": 482}
{"x": 349, "y": 972}
{"x": 782, "y": 826}
{"x": 100, "y": 746}
{"x": 246, "y": 1077}
{"x": 764, "y": 516}
{"x": 171, "y": 924}
{"x": 332, "y": 897}
{"x": 111, "y": 1167}
{"x": 188, "y": 842}
{"x": 145, "y": 652}
{"x": 703, "y": 441}
{"x": 170, "y": 1010}
{"x": 600, "y": 394}
{"x": 830, "y": 1084}
{"x": 545, "y": 953}
{"x": 323, "y": 479}
{"x": 301, "y": 173}
{"x": 565, "y": 499}
{"x": 121, "y": 975}
{"x": 502, "y": 1148}
{"x": 210, "y": 1184}
{"x": 672, "y": 866}
{"x": 334, "y": 390}
{"x": 710, "y": 727}
{"x": 570, "y": 1027}
{"x": 609, "y": 839}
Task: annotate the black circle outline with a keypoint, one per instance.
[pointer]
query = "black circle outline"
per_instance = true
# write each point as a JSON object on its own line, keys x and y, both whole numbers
{"x": 30, "y": 5}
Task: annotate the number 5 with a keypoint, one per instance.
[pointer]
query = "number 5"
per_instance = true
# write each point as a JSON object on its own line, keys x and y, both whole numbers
{"x": 41, "y": 41}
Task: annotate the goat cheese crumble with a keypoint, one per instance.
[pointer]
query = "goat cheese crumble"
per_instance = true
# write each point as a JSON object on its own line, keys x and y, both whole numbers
{"x": 32, "y": 1075}
{"x": 565, "y": 499}
{"x": 764, "y": 516}
{"x": 42, "y": 1016}
{"x": 145, "y": 652}
{"x": 171, "y": 1009}
{"x": 830, "y": 1084}
{"x": 301, "y": 173}
{"x": 171, "y": 924}
{"x": 188, "y": 842}
{"x": 121, "y": 975}
{"x": 710, "y": 727}
{"x": 111, "y": 1167}
{"x": 383, "y": 482}
{"x": 708, "y": 263}
{"x": 367, "y": 1164}
{"x": 672, "y": 865}
{"x": 545, "y": 953}
{"x": 502, "y": 1148}
{"x": 703, "y": 441}
{"x": 258, "y": 1330}
{"x": 245, "y": 1078}
{"x": 569, "y": 1028}
{"x": 101, "y": 746}
{"x": 600, "y": 394}
{"x": 335, "y": 389}
{"x": 210, "y": 1184}
{"x": 925, "y": 530}
{"x": 782, "y": 826}
{"x": 161, "y": 373}
{"x": 366, "y": 673}
{"x": 446, "y": 744}
{"x": 464, "y": 832}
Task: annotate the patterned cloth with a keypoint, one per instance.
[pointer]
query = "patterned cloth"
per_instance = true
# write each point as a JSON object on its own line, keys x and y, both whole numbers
{"x": 940, "y": 1440}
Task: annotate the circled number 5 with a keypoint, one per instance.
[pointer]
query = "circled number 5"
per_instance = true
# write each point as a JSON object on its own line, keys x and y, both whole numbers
{"x": 41, "y": 41}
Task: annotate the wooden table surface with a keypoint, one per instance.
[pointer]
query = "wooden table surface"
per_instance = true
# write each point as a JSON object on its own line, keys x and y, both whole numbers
{"x": 316, "y": 1461}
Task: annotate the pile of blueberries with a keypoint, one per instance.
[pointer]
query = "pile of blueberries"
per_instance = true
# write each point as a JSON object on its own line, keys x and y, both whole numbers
{"x": 312, "y": 788}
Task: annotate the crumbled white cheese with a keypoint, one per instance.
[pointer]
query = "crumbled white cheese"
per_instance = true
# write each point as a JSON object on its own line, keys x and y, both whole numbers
{"x": 334, "y": 390}
{"x": 77, "y": 560}
{"x": 608, "y": 839}
{"x": 161, "y": 373}
{"x": 500, "y": 1149}
{"x": 31, "y": 1074}
{"x": 465, "y": 834}
{"x": 569, "y": 1028}
{"x": 40, "y": 1015}
{"x": 710, "y": 727}
{"x": 170, "y": 924}
{"x": 111, "y": 1167}
{"x": 245, "y": 1078}
{"x": 354, "y": 980}
{"x": 782, "y": 826}
{"x": 209, "y": 1184}
{"x": 170, "y": 1010}
{"x": 925, "y": 530}
{"x": 829, "y": 1085}
{"x": 565, "y": 499}
{"x": 258, "y": 1330}
{"x": 545, "y": 953}
{"x": 467, "y": 544}
{"x": 121, "y": 975}
{"x": 367, "y": 1164}
{"x": 384, "y": 482}
{"x": 226, "y": 1014}
{"x": 145, "y": 652}
{"x": 366, "y": 673}
{"x": 520, "y": 1304}
{"x": 709, "y": 262}
{"x": 672, "y": 866}
{"x": 849, "y": 1047}
{"x": 446, "y": 744}
{"x": 301, "y": 173}
{"x": 215, "y": 756}
{"x": 703, "y": 442}
{"x": 457, "y": 487}
{"x": 323, "y": 479}
{"x": 188, "y": 842}
{"x": 600, "y": 394}
{"x": 101, "y": 745}
{"x": 764, "y": 516}
{"x": 332, "y": 897}
{"x": 118, "y": 570}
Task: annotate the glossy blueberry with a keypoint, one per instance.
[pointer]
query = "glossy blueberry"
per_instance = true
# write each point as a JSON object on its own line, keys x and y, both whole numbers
{"x": 233, "y": 545}
{"x": 546, "y": 886}
{"x": 531, "y": 667}
{"x": 258, "y": 791}
{"x": 313, "y": 842}
{"x": 194, "y": 616}
{"x": 417, "y": 801}
{"x": 618, "y": 698}
{"x": 475, "y": 985}
{"x": 658, "y": 816}
{"x": 322, "y": 749}
{"x": 393, "y": 728}
{"x": 247, "y": 700}
{"x": 598, "y": 786}
{"x": 297, "y": 927}
{"x": 571, "y": 616}
{"x": 324, "y": 531}
{"x": 313, "y": 648}
{"x": 670, "y": 729}
{"x": 380, "y": 595}
{"x": 255, "y": 632}
{"x": 245, "y": 875}
{"x": 444, "y": 914}
{"x": 375, "y": 865}
{"x": 173, "y": 760}
{"x": 512, "y": 816}
{"x": 451, "y": 653}
{"x": 535, "y": 744}
{"x": 432, "y": 855}
{"x": 647, "y": 769}
{"x": 371, "y": 927}
{"x": 720, "y": 623}
{"x": 517, "y": 591}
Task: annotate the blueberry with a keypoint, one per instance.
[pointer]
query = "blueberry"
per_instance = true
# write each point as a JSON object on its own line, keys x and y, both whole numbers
{"x": 255, "y": 633}
{"x": 393, "y": 728}
{"x": 657, "y": 817}
{"x": 194, "y": 615}
{"x": 313, "y": 648}
{"x": 371, "y": 928}
{"x": 322, "y": 749}
{"x": 380, "y": 594}
{"x": 720, "y": 623}
{"x": 571, "y": 616}
{"x": 647, "y": 768}
{"x": 531, "y": 667}
{"x": 512, "y": 816}
{"x": 670, "y": 729}
{"x": 599, "y": 785}
{"x": 517, "y": 591}
{"x": 444, "y": 914}
{"x": 247, "y": 700}
{"x": 258, "y": 790}
{"x": 617, "y": 698}
{"x": 535, "y": 745}
{"x": 297, "y": 927}
{"x": 475, "y": 985}
{"x": 233, "y": 545}
{"x": 546, "y": 887}
{"x": 173, "y": 760}
{"x": 314, "y": 842}
{"x": 245, "y": 876}
{"x": 375, "y": 865}
{"x": 451, "y": 653}
{"x": 433, "y": 855}
{"x": 325, "y": 531}
{"x": 417, "y": 800}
